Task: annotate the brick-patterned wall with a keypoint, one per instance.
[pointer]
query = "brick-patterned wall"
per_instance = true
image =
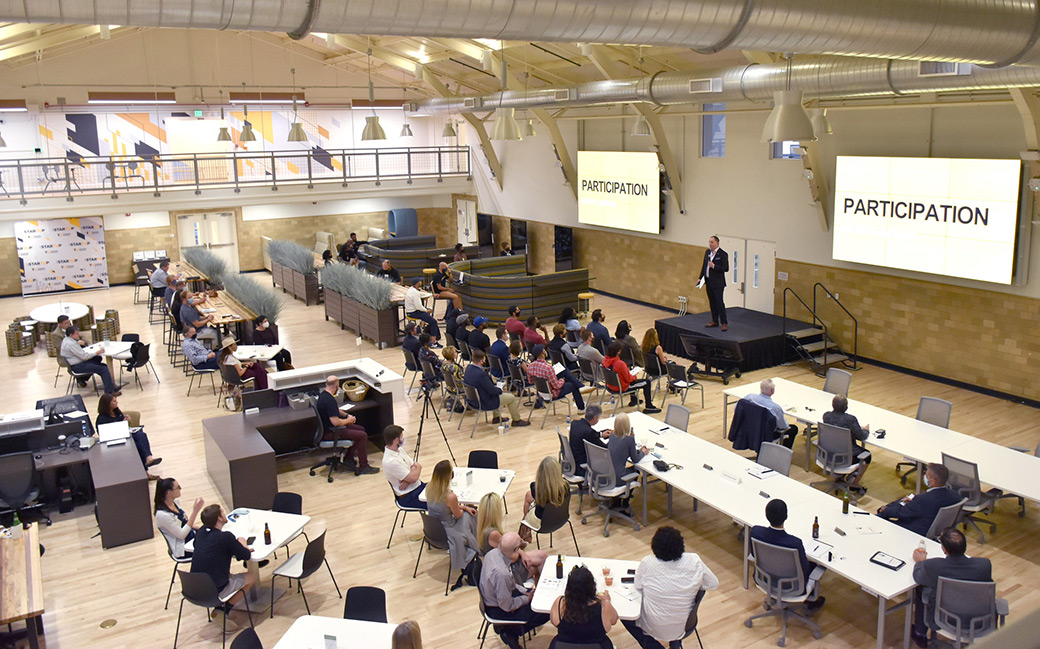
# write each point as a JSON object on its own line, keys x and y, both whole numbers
{"x": 121, "y": 244}
{"x": 301, "y": 230}
{"x": 980, "y": 337}
{"x": 540, "y": 238}
{"x": 10, "y": 275}
{"x": 440, "y": 222}
{"x": 500, "y": 226}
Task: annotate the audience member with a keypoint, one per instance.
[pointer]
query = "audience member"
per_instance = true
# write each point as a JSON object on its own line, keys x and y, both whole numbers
{"x": 175, "y": 309}
{"x": 623, "y": 335}
{"x": 83, "y": 362}
{"x": 515, "y": 349}
{"x": 411, "y": 343}
{"x": 548, "y": 488}
{"x": 560, "y": 386}
{"x": 491, "y": 516}
{"x": 158, "y": 279}
{"x": 63, "y": 324}
{"x": 460, "y": 253}
{"x": 927, "y": 572}
{"x": 245, "y": 370}
{"x": 451, "y": 323}
{"x": 347, "y": 252}
{"x": 502, "y": 599}
{"x": 109, "y": 413}
{"x": 652, "y": 345}
{"x": 442, "y": 282}
{"x": 406, "y": 636}
{"x": 786, "y": 434}
{"x": 214, "y": 550}
{"x": 569, "y": 319}
{"x": 531, "y": 335}
{"x": 460, "y": 521}
{"x": 173, "y": 284}
{"x": 559, "y": 344}
{"x": 598, "y": 329}
{"x": 622, "y": 447}
{"x": 669, "y": 580}
{"x": 388, "y": 272}
{"x": 841, "y": 418}
{"x": 176, "y": 526}
{"x": 190, "y": 315}
{"x": 263, "y": 334}
{"x": 427, "y": 354}
{"x": 326, "y": 257}
{"x": 500, "y": 350}
{"x": 339, "y": 424}
{"x": 582, "y": 431}
{"x": 477, "y": 339}
{"x": 491, "y": 396}
{"x": 414, "y": 308}
{"x": 626, "y": 380}
{"x": 587, "y": 349}
{"x": 916, "y": 513}
{"x": 462, "y": 333}
{"x": 402, "y": 472}
{"x": 514, "y": 325}
{"x": 199, "y": 357}
{"x": 776, "y": 514}
{"x": 507, "y": 250}
{"x": 581, "y": 616}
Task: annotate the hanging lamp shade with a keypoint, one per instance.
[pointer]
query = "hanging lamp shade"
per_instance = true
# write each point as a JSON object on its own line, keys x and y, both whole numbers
{"x": 505, "y": 127}
{"x": 2, "y": 142}
{"x": 373, "y": 131}
{"x": 528, "y": 129}
{"x": 788, "y": 121}
{"x": 641, "y": 127}
{"x": 223, "y": 135}
{"x": 296, "y": 133}
{"x": 820, "y": 124}
{"x": 406, "y": 130}
{"x": 247, "y": 134}
{"x": 449, "y": 130}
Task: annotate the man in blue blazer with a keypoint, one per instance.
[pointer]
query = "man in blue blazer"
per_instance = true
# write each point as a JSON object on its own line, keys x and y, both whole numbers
{"x": 713, "y": 274}
{"x": 491, "y": 396}
{"x": 775, "y": 534}
{"x": 916, "y": 513}
{"x": 927, "y": 572}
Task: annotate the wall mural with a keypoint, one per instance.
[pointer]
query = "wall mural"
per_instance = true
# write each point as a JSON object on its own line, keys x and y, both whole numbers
{"x": 61, "y": 255}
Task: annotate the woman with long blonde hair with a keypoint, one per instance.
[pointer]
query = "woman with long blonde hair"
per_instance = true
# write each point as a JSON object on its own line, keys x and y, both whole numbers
{"x": 491, "y": 516}
{"x": 623, "y": 447}
{"x": 549, "y": 488}
{"x": 406, "y": 636}
{"x": 459, "y": 520}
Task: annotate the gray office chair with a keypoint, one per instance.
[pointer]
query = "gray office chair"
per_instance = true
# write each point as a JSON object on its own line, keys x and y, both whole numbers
{"x": 302, "y": 565}
{"x": 679, "y": 381}
{"x": 836, "y": 456}
{"x": 967, "y": 610}
{"x": 541, "y": 386}
{"x": 931, "y": 410}
{"x": 554, "y": 517}
{"x": 677, "y": 417}
{"x": 603, "y": 487}
{"x": 435, "y": 538}
{"x": 946, "y": 517}
{"x": 778, "y": 574}
{"x": 339, "y": 446}
{"x": 19, "y": 486}
{"x": 776, "y": 457}
{"x": 837, "y": 381}
{"x": 570, "y": 468}
{"x": 964, "y": 479}
{"x": 198, "y": 588}
{"x": 1021, "y": 500}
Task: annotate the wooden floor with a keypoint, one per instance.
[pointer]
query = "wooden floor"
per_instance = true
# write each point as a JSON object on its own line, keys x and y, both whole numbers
{"x": 85, "y": 585}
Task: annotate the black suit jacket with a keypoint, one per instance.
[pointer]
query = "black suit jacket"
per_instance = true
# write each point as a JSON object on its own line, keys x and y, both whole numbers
{"x": 784, "y": 540}
{"x": 582, "y": 431}
{"x": 927, "y": 573}
{"x": 718, "y": 274}
{"x": 487, "y": 391}
{"x": 918, "y": 514}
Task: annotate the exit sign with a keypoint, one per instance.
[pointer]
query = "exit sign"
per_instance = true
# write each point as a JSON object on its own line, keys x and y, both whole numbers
{"x": 198, "y": 113}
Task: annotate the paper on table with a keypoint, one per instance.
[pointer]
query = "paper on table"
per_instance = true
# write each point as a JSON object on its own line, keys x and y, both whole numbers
{"x": 762, "y": 472}
{"x": 74, "y": 414}
{"x": 625, "y": 592}
{"x": 818, "y": 549}
{"x": 866, "y": 529}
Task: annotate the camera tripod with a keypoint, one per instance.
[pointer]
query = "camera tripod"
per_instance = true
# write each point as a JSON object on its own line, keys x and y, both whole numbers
{"x": 425, "y": 390}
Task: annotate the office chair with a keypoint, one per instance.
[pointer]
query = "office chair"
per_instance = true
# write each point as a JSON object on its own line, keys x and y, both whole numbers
{"x": 776, "y": 457}
{"x": 778, "y": 574}
{"x": 338, "y": 446}
{"x": 967, "y": 610}
{"x": 933, "y": 411}
{"x": 19, "y": 486}
{"x": 569, "y": 467}
{"x": 964, "y": 480}
{"x": 603, "y": 487}
{"x": 946, "y": 517}
{"x": 836, "y": 456}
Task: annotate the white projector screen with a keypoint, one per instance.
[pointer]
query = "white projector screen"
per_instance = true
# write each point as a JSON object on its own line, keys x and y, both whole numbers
{"x": 619, "y": 190}
{"x": 953, "y": 217}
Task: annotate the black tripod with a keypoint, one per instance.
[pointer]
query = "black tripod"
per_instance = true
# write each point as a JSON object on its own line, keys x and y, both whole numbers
{"x": 425, "y": 390}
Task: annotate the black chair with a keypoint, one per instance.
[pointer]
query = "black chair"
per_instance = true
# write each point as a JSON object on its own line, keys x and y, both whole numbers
{"x": 198, "y": 588}
{"x": 410, "y": 365}
{"x": 556, "y": 357}
{"x": 19, "y": 486}
{"x": 691, "y": 620}
{"x": 553, "y": 518}
{"x": 140, "y": 357}
{"x": 231, "y": 383}
{"x": 177, "y": 561}
{"x": 287, "y": 502}
{"x": 402, "y": 513}
{"x": 130, "y": 338}
{"x": 302, "y": 565}
{"x": 613, "y": 382}
{"x": 482, "y": 460}
{"x": 680, "y": 382}
{"x": 247, "y": 640}
{"x": 464, "y": 352}
{"x": 365, "y": 603}
{"x": 435, "y": 537}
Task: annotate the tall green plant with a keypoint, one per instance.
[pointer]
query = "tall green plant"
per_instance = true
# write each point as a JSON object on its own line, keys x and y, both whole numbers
{"x": 260, "y": 299}
{"x": 210, "y": 264}
{"x": 293, "y": 255}
{"x": 358, "y": 285}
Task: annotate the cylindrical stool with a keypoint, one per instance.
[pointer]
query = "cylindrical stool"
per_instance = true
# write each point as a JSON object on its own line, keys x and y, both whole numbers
{"x": 428, "y": 274}
{"x": 585, "y": 305}
{"x": 112, "y": 314}
{"x": 29, "y": 326}
{"x": 84, "y": 323}
{"x": 19, "y": 343}
{"x": 90, "y": 313}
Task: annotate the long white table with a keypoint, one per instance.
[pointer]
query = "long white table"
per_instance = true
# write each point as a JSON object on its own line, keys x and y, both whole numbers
{"x": 625, "y": 598}
{"x": 728, "y": 482}
{"x": 922, "y": 442}
{"x": 316, "y": 632}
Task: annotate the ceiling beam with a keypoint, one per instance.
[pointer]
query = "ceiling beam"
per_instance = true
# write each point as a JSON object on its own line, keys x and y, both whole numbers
{"x": 462, "y": 46}
{"x": 51, "y": 40}
{"x": 474, "y": 122}
{"x": 1029, "y": 110}
{"x": 762, "y": 58}
{"x": 8, "y": 32}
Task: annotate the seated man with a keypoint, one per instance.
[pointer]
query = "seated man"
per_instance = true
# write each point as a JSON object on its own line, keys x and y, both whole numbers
{"x": 514, "y": 325}
{"x": 531, "y": 335}
{"x": 786, "y": 434}
{"x": 477, "y": 338}
{"x": 176, "y": 285}
{"x": 501, "y": 598}
{"x": 599, "y": 331}
{"x": 669, "y": 580}
{"x": 388, "y": 272}
{"x": 491, "y": 396}
{"x": 442, "y": 285}
{"x": 461, "y": 332}
{"x": 559, "y": 344}
{"x": 927, "y": 572}
{"x": 916, "y": 513}
{"x": 500, "y": 349}
{"x": 414, "y": 308}
{"x": 339, "y": 424}
{"x": 427, "y": 354}
{"x": 587, "y": 350}
{"x": 559, "y": 386}
{"x": 776, "y": 514}
{"x": 190, "y": 315}
{"x": 83, "y": 362}
{"x": 582, "y": 431}
{"x": 214, "y": 550}
{"x": 401, "y": 470}
{"x": 199, "y": 357}
{"x": 841, "y": 418}
{"x": 460, "y": 253}
{"x": 411, "y": 343}
{"x": 347, "y": 251}
{"x": 158, "y": 279}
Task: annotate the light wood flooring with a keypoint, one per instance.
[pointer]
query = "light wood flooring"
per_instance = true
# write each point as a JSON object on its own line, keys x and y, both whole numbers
{"x": 85, "y": 585}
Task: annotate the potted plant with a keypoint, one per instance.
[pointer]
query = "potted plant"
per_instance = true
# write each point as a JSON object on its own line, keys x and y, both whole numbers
{"x": 293, "y": 268}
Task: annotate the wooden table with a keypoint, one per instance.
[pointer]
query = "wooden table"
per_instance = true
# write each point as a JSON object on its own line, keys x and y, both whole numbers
{"x": 21, "y": 589}
{"x": 190, "y": 274}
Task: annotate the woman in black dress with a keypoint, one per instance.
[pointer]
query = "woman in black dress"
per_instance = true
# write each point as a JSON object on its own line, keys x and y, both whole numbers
{"x": 264, "y": 335}
{"x": 579, "y": 615}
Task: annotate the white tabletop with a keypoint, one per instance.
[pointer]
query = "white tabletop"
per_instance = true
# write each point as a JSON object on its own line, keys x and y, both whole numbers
{"x": 250, "y": 522}
{"x": 371, "y": 372}
{"x": 309, "y": 632}
{"x": 113, "y": 348}
{"x": 484, "y": 481}
{"x": 262, "y": 353}
{"x": 50, "y": 312}
{"x": 625, "y": 598}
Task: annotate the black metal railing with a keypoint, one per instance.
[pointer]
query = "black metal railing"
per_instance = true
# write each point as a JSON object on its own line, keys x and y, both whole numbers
{"x": 855, "y": 322}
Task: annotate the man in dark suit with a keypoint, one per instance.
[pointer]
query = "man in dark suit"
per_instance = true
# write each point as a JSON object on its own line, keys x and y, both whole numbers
{"x": 713, "y": 273}
{"x": 776, "y": 514}
{"x": 927, "y": 572}
{"x": 411, "y": 342}
{"x": 916, "y": 513}
{"x": 491, "y": 396}
{"x": 581, "y": 431}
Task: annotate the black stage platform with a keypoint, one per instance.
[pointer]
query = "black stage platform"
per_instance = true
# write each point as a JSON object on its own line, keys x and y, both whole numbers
{"x": 760, "y": 335}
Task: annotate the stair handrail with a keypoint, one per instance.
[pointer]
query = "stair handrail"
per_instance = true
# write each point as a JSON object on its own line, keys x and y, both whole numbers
{"x": 855, "y": 322}
{"x": 816, "y": 318}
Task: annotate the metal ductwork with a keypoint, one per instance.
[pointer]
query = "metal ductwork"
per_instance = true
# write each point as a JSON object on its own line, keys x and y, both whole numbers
{"x": 998, "y": 32}
{"x": 828, "y": 78}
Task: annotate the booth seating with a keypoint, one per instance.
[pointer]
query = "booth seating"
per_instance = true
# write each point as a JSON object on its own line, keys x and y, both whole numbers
{"x": 409, "y": 255}
{"x": 490, "y": 286}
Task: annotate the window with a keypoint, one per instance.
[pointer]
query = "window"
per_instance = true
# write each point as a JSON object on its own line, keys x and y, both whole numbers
{"x": 785, "y": 151}
{"x": 754, "y": 281}
{"x": 713, "y": 133}
{"x": 735, "y": 265}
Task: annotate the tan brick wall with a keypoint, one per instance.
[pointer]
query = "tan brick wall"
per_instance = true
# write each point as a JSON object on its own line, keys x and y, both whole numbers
{"x": 540, "y": 238}
{"x": 10, "y": 276}
{"x": 121, "y": 244}
{"x": 980, "y": 337}
{"x": 440, "y": 222}
{"x": 500, "y": 225}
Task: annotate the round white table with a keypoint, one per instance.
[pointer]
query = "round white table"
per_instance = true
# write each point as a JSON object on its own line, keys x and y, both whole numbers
{"x": 49, "y": 312}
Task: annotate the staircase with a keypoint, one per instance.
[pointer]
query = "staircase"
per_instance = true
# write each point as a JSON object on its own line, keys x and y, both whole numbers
{"x": 814, "y": 344}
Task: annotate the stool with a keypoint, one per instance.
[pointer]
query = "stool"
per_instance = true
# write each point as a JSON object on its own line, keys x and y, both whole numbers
{"x": 155, "y": 305}
{"x": 420, "y": 326}
{"x": 113, "y": 315}
{"x": 585, "y": 305}
{"x": 30, "y": 327}
{"x": 428, "y": 274}
{"x": 19, "y": 343}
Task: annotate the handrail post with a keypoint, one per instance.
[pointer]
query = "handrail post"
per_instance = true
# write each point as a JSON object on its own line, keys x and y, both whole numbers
{"x": 234, "y": 166}
{"x": 377, "y": 168}
{"x": 343, "y": 157}
{"x": 408, "y": 155}
{"x": 21, "y": 183}
{"x": 310, "y": 173}
{"x": 274, "y": 174}
{"x": 155, "y": 175}
{"x": 195, "y": 167}
{"x": 440, "y": 164}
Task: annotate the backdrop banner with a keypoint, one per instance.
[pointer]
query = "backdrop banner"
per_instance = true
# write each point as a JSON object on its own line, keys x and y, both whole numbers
{"x": 61, "y": 255}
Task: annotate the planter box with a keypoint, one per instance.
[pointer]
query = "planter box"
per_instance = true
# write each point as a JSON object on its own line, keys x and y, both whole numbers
{"x": 305, "y": 287}
{"x": 378, "y": 326}
{"x": 334, "y": 307}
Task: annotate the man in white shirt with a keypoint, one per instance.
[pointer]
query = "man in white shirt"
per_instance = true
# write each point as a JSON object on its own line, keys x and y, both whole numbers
{"x": 669, "y": 580}
{"x": 401, "y": 470}
{"x": 83, "y": 362}
{"x": 787, "y": 433}
{"x": 414, "y": 307}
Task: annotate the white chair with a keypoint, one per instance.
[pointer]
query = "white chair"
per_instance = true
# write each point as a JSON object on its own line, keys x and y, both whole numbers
{"x": 776, "y": 457}
{"x": 677, "y": 417}
{"x": 177, "y": 561}
{"x": 778, "y": 574}
{"x": 603, "y": 486}
{"x": 194, "y": 372}
{"x": 402, "y": 513}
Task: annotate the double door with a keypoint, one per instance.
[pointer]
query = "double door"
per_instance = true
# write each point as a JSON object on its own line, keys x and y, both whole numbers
{"x": 213, "y": 230}
{"x": 752, "y": 273}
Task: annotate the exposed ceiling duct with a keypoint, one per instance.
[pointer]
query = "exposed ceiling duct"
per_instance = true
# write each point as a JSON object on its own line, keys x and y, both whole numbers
{"x": 999, "y": 32}
{"x": 828, "y": 78}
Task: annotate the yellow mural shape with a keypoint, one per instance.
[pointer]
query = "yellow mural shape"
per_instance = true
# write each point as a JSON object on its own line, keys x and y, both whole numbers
{"x": 293, "y": 168}
{"x": 46, "y": 132}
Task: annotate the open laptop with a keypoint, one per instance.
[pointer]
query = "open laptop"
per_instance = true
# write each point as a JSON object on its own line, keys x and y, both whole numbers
{"x": 116, "y": 432}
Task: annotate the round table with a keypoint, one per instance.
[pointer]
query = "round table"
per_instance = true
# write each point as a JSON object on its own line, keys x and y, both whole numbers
{"x": 49, "y": 312}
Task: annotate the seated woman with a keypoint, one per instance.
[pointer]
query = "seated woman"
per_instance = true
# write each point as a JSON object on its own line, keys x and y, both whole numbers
{"x": 549, "y": 488}
{"x": 652, "y": 345}
{"x": 246, "y": 370}
{"x": 560, "y": 344}
{"x": 327, "y": 257}
{"x": 264, "y": 335}
{"x": 580, "y": 615}
{"x": 623, "y": 335}
{"x": 569, "y": 319}
{"x": 176, "y": 527}
{"x": 622, "y": 447}
{"x": 109, "y": 413}
{"x": 460, "y": 521}
{"x": 491, "y": 516}
{"x": 515, "y": 349}
{"x": 427, "y": 354}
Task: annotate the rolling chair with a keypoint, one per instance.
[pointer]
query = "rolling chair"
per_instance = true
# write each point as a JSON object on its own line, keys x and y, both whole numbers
{"x": 837, "y": 382}
{"x": 964, "y": 480}
{"x": 19, "y": 486}
{"x": 338, "y": 446}
{"x": 946, "y": 517}
{"x": 778, "y": 574}
{"x": 933, "y": 411}
{"x": 603, "y": 487}
{"x": 569, "y": 467}
{"x": 836, "y": 456}
{"x": 776, "y": 457}
{"x": 967, "y": 610}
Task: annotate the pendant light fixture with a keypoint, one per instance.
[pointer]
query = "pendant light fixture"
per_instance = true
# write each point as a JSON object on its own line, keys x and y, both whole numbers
{"x": 296, "y": 132}
{"x": 788, "y": 121}
{"x": 820, "y": 124}
{"x": 406, "y": 128}
{"x": 505, "y": 126}
{"x": 223, "y": 135}
{"x": 372, "y": 131}
{"x": 528, "y": 129}
{"x": 247, "y": 134}
{"x": 641, "y": 127}
{"x": 449, "y": 130}
{"x": 2, "y": 142}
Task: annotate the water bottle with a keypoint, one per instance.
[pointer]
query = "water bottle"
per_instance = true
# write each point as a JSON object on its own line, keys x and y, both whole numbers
{"x": 507, "y": 427}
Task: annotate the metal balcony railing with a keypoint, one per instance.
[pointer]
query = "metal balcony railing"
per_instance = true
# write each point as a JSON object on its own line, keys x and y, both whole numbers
{"x": 29, "y": 178}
